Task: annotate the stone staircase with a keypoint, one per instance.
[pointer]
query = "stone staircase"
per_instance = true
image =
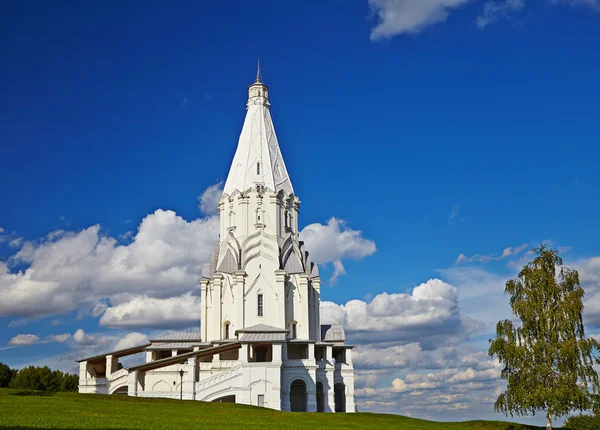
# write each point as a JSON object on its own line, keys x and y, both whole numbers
{"x": 219, "y": 382}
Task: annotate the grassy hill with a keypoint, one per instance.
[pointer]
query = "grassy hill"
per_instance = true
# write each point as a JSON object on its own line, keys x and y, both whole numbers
{"x": 80, "y": 411}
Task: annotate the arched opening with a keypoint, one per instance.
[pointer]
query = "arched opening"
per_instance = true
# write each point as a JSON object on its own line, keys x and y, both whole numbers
{"x": 121, "y": 390}
{"x": 340, "y": 397}
{"x": 320, "y": 407}
{"x": 298, "y": 396}
{"x": 225, "y": 399}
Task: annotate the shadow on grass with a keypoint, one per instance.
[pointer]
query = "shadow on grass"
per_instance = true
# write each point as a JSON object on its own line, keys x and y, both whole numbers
{"x": 31, "y": 393}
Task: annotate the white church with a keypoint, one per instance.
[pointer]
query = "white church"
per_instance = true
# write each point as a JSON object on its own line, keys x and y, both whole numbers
{"x": 261, "y": 341}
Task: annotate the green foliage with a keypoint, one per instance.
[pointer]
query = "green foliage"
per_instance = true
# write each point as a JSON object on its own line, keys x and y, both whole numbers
{"x": 95, "y": 411}
{"x": 548, "y": 362}
{"x": 37, "y": 378}
{"x": 6, "y": 375}
{"x": 583, "y": 422}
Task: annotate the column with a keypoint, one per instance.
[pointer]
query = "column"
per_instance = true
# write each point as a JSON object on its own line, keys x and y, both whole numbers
{"x": 316, "y": 283}
{"x": 190, "y": 382}
{"x": 215, "y": 330}
{"x": 204, "y": 309}
{"x": 303, "y": 314}
{"x": 149, "y": 356}
{"x": 329, "y": 395}
{"x": 132, "y": 383}
{"x": 240, "y": 290}
{"x": 280, "y": 277}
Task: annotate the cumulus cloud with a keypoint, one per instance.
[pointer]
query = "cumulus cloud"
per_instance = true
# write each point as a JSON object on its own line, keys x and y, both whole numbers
{"x": 148, "y": 312}
{"x": 24, "y": 339}
{"x": 68, "y": 270}
{"x": 335, "y": 241}
{"x": 484, "y": 258}
{"x": 209, "y": 199}
{"x": 60, "y": 338}
{"x": 495, "y": 10}
{"x": 82, "y": 338}
{"x": 130, "y": 340}
{"x": 430, "y": 312}
{"x": 395, "y": 17}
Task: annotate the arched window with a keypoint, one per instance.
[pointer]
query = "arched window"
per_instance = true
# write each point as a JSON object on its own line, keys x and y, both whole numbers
{"x": 226, "y": 330}
{"x": 260, "y": 305}
{"x": 258, "y": 168}
{"x": 293, "y": 330}
{"x": 285, "y": 215}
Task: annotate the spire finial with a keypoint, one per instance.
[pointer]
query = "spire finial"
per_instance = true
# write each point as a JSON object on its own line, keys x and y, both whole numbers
{"x": 258, "y": 76}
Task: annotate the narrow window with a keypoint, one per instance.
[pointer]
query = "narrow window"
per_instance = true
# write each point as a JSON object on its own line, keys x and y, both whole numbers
{"x": 261, "y": 400}
{"x": 294, "y": 331}
{"x": 226, "y": 335}
{"x": 260, "y": 305}
{"x": 285, "y": 215}
{"x": 258, "y": 168}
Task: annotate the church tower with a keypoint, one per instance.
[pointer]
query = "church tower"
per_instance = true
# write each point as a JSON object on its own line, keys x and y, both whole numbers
{"x": 260, "y": 273}
{"x": 261, "y": 341}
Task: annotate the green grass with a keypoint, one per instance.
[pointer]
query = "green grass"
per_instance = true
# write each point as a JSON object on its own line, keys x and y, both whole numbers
{"x": 91, "y": 411}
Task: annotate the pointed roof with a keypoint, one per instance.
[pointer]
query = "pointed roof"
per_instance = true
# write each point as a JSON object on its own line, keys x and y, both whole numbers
{"x": 258, "y": 159}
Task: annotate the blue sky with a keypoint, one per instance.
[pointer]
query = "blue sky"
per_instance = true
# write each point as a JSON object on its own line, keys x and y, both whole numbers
{"x": 431, "y": 128}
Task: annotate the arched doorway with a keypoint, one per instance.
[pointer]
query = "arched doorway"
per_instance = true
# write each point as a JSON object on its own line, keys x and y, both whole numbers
{"x": 298, "y": 396}
{"x": 339, "y": 391}
{"x": 320, "y": 397}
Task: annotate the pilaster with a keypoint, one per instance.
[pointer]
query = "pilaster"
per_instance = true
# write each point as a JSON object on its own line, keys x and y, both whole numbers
{"x": 240, "y": 290}
{"x": 280, "y": 278}
{"x": 303, "y": 321}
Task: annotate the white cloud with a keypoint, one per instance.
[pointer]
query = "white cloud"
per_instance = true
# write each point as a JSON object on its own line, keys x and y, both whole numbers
{"x": 335, "y": 241}
{"x": 593, "y": 4}
{"x": 148, "y": 312}
{"x": 209, "y": 199}
{"x": 454, "y": 212}
{"x": 82, "y": 338}
{"x": 60, "y": 338}
{"x": 24, "y": 339}
{"x": 483, "y": 258}
{"x": 68, "y": 270}
{"x": 495, "y": 10}
{"x": 395, "y": 17}
{"x": 130, "y": 340}
{"x": 430, "y": 312}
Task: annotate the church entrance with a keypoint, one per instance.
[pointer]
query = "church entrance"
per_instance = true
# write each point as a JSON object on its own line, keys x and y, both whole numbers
{"x": 298, "y": 396}
{"x": 320, "y": 407}
{"x": 340, "y": 397}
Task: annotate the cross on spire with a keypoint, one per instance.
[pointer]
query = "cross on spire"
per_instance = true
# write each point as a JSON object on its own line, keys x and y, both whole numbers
{"x": 258, "y": 74}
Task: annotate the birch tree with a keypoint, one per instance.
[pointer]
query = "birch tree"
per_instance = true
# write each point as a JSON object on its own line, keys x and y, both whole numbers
{"x": 548, "y": 362}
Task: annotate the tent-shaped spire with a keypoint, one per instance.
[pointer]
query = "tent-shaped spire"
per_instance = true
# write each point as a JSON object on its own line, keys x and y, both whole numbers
{"x": 258, "y": 159}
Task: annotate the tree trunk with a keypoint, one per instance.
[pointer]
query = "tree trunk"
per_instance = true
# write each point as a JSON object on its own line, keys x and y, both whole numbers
{"x": 548, "y": 421}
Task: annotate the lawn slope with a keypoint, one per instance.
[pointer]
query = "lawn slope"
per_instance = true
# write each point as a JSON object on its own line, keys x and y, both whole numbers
{"x": 90, "y": 411}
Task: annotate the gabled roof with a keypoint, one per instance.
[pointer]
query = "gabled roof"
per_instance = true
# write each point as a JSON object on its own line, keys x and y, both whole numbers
{"x": 175, "y": 345}
{"x": 184, "y": 357}
{"x": 118, "y": 353}
{"x": 178, "y": 337}
{"x": 333, "y": 333}
{"x": 262, "y": 328}
{"x": 263, "y": 337}
{"x": 258, "y": 144}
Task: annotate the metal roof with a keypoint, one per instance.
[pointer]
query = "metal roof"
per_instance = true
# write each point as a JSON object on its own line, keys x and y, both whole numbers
{"x": 176, "y": 345}
{"x": 118, "y": 353}
{"x": 263, "y": 337}
{"x": 262, "y": 328}
{"x": 178, "y": 336}
{"x": 184, "y": 357}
